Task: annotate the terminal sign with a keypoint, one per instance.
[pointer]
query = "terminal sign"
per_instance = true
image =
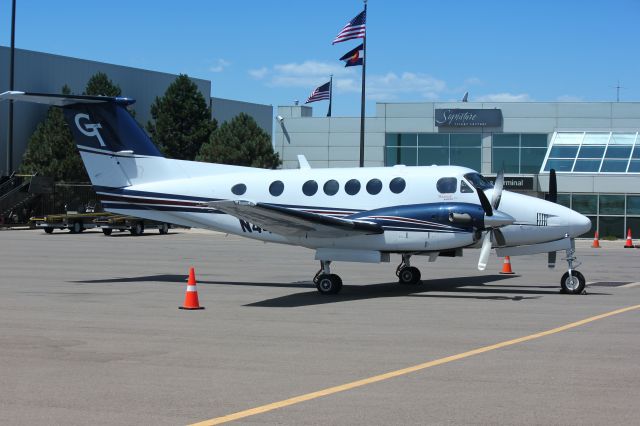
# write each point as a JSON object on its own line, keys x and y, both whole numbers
{"x": 468, "y": 117}
{"x": 515, "y": 182}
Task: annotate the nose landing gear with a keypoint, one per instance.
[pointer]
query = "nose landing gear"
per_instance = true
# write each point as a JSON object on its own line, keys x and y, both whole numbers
{"x": 572, "y": 282}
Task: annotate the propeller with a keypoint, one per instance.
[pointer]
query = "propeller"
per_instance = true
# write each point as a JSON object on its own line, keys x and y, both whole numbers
{"x": 552, "y": 196}
{"x": 493, "y": 220}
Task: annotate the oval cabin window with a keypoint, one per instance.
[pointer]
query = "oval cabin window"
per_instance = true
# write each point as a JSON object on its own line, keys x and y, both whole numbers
{"x": 397, "y": 185}
{"x": 352, "y": 187}
{"x": 239, "y": 189}
{"x": 374, "y": 186}
{"x": 331, "y": 187}
{"x": 309, "y": 188}
{"x": 276, "y": 188}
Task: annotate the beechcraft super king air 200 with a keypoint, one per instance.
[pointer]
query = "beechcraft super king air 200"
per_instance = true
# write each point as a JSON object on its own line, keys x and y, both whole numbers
{"x": 344, "y": 214}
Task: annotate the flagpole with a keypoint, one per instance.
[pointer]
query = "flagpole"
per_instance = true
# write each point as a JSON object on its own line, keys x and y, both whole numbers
{"x": 11, "y": 80}
{"x": 364, "y": 67}
{"x": 330, "y": 94}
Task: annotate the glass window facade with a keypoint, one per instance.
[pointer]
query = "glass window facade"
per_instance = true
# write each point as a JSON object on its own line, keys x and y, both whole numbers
{"x": 426, "y": 149}
{"x": 594, "y": 152}
{"x": 518, "y": 153}
{"x": 610, "y": 214}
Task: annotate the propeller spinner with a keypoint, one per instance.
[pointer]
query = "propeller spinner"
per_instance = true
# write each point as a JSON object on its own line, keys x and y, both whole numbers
{"x": 493, "y": 220}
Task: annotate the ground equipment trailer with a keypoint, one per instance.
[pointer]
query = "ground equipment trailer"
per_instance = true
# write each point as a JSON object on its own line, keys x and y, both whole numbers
{"x": 78, "y": 222}
{"x": 134, "y": 225}
{"x": 74, "y": 222}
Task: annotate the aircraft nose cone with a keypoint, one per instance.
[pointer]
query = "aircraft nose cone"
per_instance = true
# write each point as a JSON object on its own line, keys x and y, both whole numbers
{"x": 578, "y": 224}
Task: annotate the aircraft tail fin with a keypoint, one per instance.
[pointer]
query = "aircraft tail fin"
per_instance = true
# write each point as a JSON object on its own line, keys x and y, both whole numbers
{"x": 115, "y": 150}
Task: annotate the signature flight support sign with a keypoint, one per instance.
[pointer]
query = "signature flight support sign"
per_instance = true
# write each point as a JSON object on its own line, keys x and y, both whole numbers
{"x": 468, "y": 117}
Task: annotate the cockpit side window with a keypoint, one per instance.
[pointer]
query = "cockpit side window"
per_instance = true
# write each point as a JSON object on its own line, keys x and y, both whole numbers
{"x": 478, "y": 181}
{"x": 464, "y": 188}
{"x": 447, "y": 185}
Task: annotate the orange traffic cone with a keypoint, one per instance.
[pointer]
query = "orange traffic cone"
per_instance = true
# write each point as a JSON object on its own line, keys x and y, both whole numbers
{"x": 596, "y": 241}
{"x": 506, "y": 267}
{"x": 629, "y": 243}
{"x": 191, "y": 297}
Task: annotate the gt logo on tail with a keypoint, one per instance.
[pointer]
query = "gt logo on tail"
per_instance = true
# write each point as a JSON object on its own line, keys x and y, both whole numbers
{"x": 89, "y": 129}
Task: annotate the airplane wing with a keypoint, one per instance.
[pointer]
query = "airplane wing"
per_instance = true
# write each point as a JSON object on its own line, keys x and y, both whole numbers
{"x": 295, "y": 223}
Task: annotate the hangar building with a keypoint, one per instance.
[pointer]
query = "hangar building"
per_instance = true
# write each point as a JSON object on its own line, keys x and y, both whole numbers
{"x": 47, "y": 73}
{"x": 594, "y": 147}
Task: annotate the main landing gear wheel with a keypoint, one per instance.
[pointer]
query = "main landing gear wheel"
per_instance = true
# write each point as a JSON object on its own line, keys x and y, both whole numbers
{"x": 329, "y": 283}
{"x": 573, "y": 284}
{"x": 409, "y": 275}
{"x": 406, "y": 273}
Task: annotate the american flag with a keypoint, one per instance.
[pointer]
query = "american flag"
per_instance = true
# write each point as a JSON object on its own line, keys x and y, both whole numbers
{"x": 321, "y": 93}
{"x": 354, "y": 29}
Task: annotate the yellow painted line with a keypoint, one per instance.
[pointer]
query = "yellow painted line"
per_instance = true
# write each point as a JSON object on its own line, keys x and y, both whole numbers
{"x": 402, "y": 372}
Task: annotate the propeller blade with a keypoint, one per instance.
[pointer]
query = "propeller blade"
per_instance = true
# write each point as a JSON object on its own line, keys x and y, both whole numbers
{"x": 484, "y": 201}
{"x": 485, "y": 251}
{"x": 551, "y": 262}
{"x": 497, "y": 190}
{"x": 553, "y": 187}
{"x": 499, "y": 237}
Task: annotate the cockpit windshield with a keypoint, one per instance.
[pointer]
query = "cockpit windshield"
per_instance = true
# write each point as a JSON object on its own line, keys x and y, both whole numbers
{"x": 478, "y": 181}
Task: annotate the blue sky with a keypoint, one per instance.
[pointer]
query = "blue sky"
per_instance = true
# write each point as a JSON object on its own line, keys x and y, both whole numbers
{"x": 278, "y": 51}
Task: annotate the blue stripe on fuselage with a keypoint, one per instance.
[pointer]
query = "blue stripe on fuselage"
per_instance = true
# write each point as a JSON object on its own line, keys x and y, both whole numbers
{"x": 429, "y": 217}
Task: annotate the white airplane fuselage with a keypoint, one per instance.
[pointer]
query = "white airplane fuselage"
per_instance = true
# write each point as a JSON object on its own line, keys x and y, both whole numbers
{"x": 182, "y": 201}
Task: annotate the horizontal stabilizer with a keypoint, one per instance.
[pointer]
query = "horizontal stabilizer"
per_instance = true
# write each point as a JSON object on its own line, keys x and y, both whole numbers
{"x": 62, "y": 100}
{"x": 295, "y": 223}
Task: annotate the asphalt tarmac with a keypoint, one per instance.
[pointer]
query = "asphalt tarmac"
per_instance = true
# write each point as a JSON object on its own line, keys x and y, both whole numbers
{"x": 91, "y": 333}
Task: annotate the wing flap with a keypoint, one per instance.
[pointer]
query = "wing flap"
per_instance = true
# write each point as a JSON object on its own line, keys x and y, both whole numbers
{"x": 296, "y": 223}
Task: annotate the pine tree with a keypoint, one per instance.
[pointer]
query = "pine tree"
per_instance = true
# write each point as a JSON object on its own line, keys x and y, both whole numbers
{"x": 100, "y": 85}
{"x": 51, "y": 150}
{"x": 181, "y": 120}
{"x": 240, "y": 142}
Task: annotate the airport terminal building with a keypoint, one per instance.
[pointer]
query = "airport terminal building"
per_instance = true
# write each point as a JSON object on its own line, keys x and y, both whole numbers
{"x": 594, "y": 147}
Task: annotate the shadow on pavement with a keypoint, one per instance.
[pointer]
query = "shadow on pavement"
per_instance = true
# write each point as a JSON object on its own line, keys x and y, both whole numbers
{"x": 468, "y": 287}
